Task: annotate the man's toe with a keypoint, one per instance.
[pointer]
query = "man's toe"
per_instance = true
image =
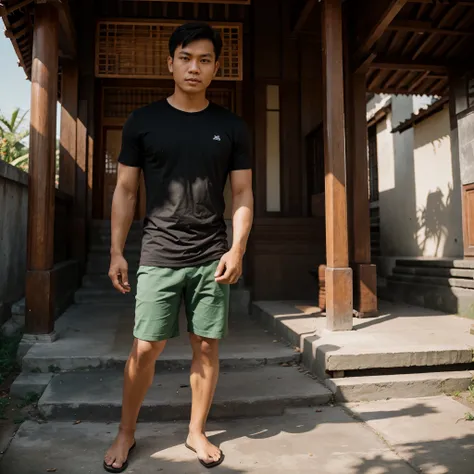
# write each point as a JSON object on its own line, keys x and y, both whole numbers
{"x": 117, "y": 464}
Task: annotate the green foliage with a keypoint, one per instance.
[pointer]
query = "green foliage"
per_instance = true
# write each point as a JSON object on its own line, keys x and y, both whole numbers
{"x": 12, "y": 136}
{"x": 8, "y": 350}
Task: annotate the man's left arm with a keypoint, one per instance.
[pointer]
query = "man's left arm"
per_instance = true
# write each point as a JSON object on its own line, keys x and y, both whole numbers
{"x": 230, "y": 266}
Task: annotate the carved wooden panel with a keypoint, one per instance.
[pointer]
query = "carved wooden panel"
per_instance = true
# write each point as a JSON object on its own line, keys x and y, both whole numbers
{"x": 139, "y": 49}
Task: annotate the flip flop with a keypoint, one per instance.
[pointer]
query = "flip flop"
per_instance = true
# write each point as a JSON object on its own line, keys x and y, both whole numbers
{"x": 210, "y": 464}
{"x": 124, "y": 465}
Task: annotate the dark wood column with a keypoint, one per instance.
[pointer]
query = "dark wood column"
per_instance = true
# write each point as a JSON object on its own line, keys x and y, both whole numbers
{"x": 44, "y": 89}
{"x": 338, "y": 274}
{"x": 365, "y": 274}
{"x": 68, "y": 141}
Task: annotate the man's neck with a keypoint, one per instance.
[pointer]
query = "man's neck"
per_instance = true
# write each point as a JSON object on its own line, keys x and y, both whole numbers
{"x": 187, "y": 102}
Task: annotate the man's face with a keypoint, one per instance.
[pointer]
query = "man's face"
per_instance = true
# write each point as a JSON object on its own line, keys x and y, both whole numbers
{"x": 195, "y": 66}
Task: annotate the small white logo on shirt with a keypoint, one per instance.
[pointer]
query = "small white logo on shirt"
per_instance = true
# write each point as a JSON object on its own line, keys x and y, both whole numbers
{"x": 217, "y": 138}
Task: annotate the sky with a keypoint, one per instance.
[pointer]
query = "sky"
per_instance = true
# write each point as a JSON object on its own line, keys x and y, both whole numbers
{"x": 14, "y": 87}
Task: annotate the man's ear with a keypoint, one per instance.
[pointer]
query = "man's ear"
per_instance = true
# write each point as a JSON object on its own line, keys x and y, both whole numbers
{"x": 170, "y": 64}
{"x": 216, "y": 69}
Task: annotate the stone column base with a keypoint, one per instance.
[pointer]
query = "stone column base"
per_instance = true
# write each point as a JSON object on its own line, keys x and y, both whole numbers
{"x": 29, "y": 340}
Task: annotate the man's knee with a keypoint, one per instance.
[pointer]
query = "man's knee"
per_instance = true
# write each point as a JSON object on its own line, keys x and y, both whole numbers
{"x": 205, "y": 346}
{"x": 146, "y": 353}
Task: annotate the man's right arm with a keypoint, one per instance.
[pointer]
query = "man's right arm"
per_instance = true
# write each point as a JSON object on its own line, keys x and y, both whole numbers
{"x": 123, "y": 211}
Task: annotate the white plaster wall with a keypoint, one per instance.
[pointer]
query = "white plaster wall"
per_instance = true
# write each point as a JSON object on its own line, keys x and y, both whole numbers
{"x": 420, "y": 212}
{"x": 439, "y": 218}
{"x": 396, "y": 182}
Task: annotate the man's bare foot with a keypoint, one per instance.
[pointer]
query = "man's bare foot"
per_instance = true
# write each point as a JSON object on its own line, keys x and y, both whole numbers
{"x": 205, "y": 450}
{"x": 118, "y": 452}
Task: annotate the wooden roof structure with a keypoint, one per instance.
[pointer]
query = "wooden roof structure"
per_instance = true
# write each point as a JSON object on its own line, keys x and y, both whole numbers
{"x": 404, "y": 46}
{"x": 412, "y": 44}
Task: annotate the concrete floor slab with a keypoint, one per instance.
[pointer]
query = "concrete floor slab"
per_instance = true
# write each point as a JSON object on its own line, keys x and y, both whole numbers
{"x": 430, "y": 433}
{"x": 402, "y": 336}
{"x": 327, "y": 441}
{"x": 253, "y": 392}
{"x": 101, "y": 336}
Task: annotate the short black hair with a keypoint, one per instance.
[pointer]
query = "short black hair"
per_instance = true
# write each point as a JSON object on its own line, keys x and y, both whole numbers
{"x": 189, "y": 32}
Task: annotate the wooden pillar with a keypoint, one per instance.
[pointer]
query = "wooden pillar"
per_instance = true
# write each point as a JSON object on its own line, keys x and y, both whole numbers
{"x": 68, "y": 140}
{"x": 365, "y": 274}
{"x": 41, "y": 191}
{"x": 338, "y": 274}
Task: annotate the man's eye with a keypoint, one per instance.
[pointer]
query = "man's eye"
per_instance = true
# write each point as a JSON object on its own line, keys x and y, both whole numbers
{"x": 184, "y": 58}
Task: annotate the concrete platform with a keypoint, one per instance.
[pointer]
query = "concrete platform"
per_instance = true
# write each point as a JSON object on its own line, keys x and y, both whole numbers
{"x": 429, "y": 433}
{"x": 327, "y": 441}
{"x": 385, "y": 387}
{"x": 402, "y": 337}
{"x": 263, "y": 391}
{"x": 97, "y": 336}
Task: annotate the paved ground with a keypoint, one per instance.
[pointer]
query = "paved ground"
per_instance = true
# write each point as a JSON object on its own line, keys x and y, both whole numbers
{"x": 397, "y": 437}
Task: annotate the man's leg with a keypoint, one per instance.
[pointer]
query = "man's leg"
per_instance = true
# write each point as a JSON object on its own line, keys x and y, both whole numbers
{"x": 138, "y": 377}
{"x": 204, "y": 376}
{"x": 156, "y": 319}
{"x": 207, "y": 307}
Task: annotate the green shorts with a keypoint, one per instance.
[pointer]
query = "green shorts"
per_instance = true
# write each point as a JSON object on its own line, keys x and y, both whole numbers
{"x": 160, "y": 293}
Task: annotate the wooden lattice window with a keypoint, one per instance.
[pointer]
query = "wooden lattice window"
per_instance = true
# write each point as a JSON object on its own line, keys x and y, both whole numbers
{"x": 139, "y": 49}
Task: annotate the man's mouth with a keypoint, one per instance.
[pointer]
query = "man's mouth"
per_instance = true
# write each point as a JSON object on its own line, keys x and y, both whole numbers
{"x": 193, "y": 81}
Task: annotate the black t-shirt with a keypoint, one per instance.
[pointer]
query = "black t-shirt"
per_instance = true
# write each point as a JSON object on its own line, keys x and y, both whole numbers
{"x": 186, "y": 159}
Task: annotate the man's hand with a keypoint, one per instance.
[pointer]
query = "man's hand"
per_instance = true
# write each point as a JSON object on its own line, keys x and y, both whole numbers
{"x": 229, "y": 269}
{"x": 118, "y": 273}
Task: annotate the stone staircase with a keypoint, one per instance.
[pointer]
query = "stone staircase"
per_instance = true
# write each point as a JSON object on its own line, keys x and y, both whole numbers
{"x": 80, "y": 375}
{"x": 441, "y": 284}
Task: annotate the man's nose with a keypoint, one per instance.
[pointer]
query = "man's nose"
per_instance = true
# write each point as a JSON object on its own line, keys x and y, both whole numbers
{"x": 194, "y": 67}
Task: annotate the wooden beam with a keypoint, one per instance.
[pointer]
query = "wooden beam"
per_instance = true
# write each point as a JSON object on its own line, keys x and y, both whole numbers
{"x": 415, "y": 26}
{"x": 407, "y": 65}
{"x": 339, "y": 303}
{"x": 304, "y": 15}
{"x": 41, "y": 190}
{"x": 382, "y": 13}
{"x": 4, "y": 10}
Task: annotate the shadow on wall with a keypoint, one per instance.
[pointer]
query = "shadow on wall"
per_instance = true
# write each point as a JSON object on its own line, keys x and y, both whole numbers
{"x": 434, "y": 223}
{"x": 420, "y": 198}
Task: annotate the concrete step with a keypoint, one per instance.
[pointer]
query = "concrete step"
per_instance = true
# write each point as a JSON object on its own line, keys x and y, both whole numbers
{"x": 349, "y": 359}
{"x": 451, "y": 300}
{"x": 435, "y": 272}
{"x": 262, "y": 391}
{"x": 435, "y": 263}
{"x": 433, "y": 280}
{"x": 361, "y": 389}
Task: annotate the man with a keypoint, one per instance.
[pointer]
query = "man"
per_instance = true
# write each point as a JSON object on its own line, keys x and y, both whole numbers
{"x": 187, "y": 147}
